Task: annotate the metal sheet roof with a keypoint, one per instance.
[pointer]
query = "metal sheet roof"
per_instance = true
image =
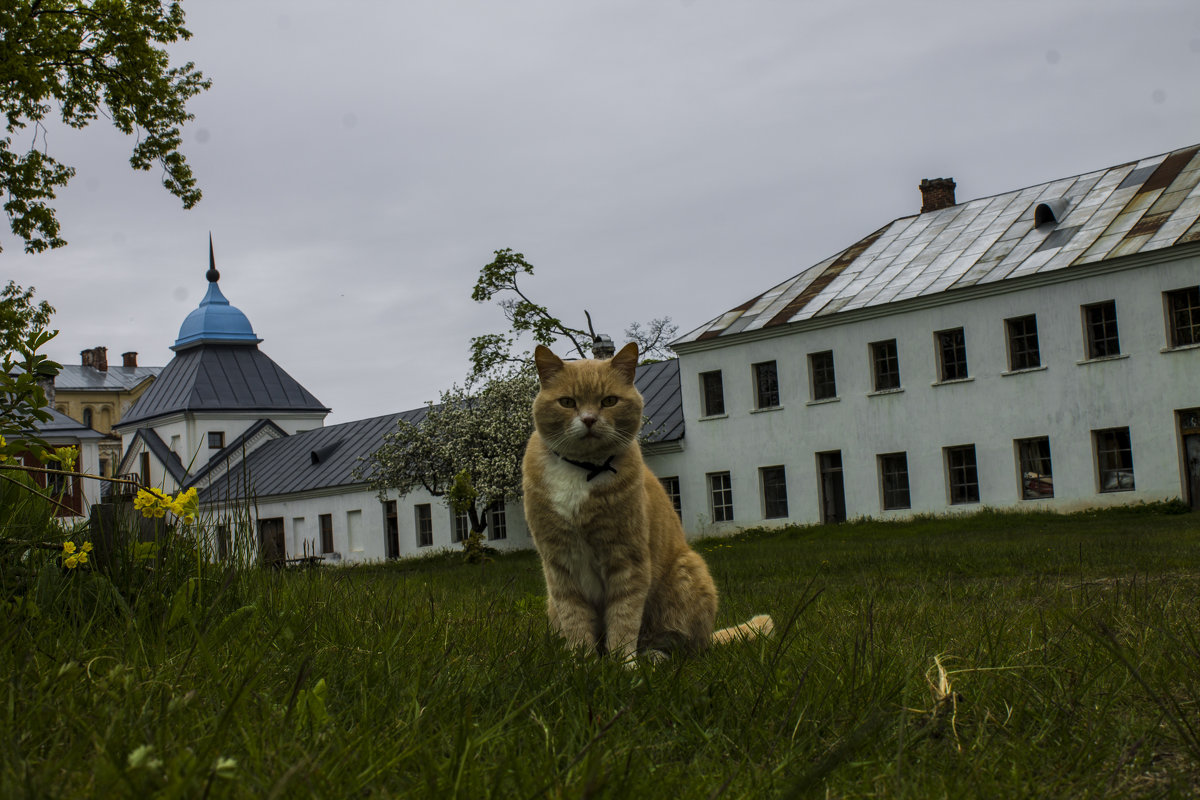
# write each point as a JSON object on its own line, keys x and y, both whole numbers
{"x": 1131, "y": 208}
{"x": 216, "y": 377}
{"x": 74, "y": 377}
{"x": 60, "y": 427}
{"x": 326, "y": 458}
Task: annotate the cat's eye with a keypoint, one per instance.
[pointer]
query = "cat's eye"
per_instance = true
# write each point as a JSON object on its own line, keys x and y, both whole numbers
{"x": 609, "y": 401}
{"x": 566, "y": 402}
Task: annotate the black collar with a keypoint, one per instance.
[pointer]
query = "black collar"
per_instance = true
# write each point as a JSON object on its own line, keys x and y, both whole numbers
{"x": 592, "y": 468}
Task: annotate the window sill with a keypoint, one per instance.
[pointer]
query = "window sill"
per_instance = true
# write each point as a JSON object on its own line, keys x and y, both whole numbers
{"x": 823, "y": 401}
{"x": 766, "y": 410}
{"x": 883, "y": 392}
{"x": 714, "y": 416}
{"x": 1180, "y": 347}
{"x": 952, "y": 382}
{"x": 1025, "y": 371}
{"x": 1103, "y": 359}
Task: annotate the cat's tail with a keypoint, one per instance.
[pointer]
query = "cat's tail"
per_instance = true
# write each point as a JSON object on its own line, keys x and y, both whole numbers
{"x": 762, "y": 625}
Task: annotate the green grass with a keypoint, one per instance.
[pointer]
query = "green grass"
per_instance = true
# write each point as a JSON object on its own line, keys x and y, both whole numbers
{"x": 1070, "y": 647}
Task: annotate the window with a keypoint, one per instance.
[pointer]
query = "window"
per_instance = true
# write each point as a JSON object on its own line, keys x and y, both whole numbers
{"x": 1023, "y": 352}
{"x": 1037, "y": 476}
{"x": 1100, "y": 328}
{"x": 774, "y": 492}
{"x": 326, "y": 523}
{"x": 87, "y": 417}
{"x": 952, "y": 355}
{"x": 1183, "y": 316}
{"x": 720, "y": 491}
{"x": 424, "y": 524}
{"x": 893, "y": 481}
{"x": 821, "y": 376}
{"x": 144, "y": 464}
{"x": 961, "y": 475}
{"x": 216, "y": 440}
{"x": 1114, "y": 459}
{"x": 671, "y": 486}
{"x": 462, "y": 526}
{"x": 766, "y": 385}
{"x": 712, "y": 394}
{"x": 886, "y": 364}
{"x": 498, "y": 522}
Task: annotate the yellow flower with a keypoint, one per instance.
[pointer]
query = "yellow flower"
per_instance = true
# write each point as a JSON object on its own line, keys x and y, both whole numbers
{"x": 152, "y": 502}
{"x": 66, "y": 457}
{"x": 68, "y": 547}
{"x": 86, "y": 547}
{"x": 71, "y": 562}
{"x": 186, "y": 505}
{"x": 81, "y": 557}
{"x": 3, "y": 444}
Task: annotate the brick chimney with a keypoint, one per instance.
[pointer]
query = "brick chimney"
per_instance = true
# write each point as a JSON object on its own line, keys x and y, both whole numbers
{"x": 96, "y": 357}
{"x": 936, "y": 193}
{"x": 129, "y": 359}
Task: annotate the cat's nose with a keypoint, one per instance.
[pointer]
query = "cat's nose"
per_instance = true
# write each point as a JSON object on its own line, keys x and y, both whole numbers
{"x": 588, "y": 419}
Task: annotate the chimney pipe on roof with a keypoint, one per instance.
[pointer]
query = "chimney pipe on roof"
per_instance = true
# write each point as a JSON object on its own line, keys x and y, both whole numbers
{"x": 129, "y": 359}
{"x": 603, "y": 347}
{"x": 936, "y": 193}
{"x": 96, "y": 357}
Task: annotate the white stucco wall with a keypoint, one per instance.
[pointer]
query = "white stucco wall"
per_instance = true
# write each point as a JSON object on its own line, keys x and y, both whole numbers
{"x": 1066, "y": 400}
{"x": 300, "y": 514}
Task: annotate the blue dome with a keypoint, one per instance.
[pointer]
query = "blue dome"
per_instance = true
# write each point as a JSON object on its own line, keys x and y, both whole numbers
{"x": 215, "y": 321}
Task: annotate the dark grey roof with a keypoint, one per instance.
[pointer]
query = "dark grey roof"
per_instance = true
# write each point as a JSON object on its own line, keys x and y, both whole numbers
{"x": 322, "y": 458}
{"x": 215, "y": 377}
{"x": 659, "y": 385}
{"x": 326, "y": 457}
{"x": 165, "y": 456}
{"x": 60, "y": 426}
{"x": 74, "y": 377}
{"x": 1138, "y": 207}
{"x": 234, "y": 448}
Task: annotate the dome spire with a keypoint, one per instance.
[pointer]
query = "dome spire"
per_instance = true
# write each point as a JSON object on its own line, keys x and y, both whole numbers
{"x": 215, "y": 321}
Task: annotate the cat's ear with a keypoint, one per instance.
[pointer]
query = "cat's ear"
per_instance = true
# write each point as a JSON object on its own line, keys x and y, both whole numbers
{"x": 548, "y": 365}
{"x": 625, "y": 362}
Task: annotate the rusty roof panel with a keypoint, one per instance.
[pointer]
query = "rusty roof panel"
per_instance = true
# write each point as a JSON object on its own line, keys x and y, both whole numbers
{"x": 1133, "y": 207}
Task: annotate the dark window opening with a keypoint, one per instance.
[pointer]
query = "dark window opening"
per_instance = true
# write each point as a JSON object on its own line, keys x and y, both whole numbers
{"x": 774, "y": 489}
{"x": 712, "y": 394}
{"x": 952, "y": 355}
{"x": 671, "y": 487}
{"x": 893, "y": 476}
{"x": 1114, "y": 459}
{"x": 325, "y": 522}
{"x": 885, "y": 361}
{"x": 821, "y": 375}
{"x": 424, "y": 514}
{"x": 766, "y": 385}
{"x": 720, "y": 489}
{"x": 1183, "y": 312}
{"x": 962, "y": 475}
{"x": 1023, "y": 352}
{"x": 216, "y": 440}
{"x": 1037, "y": 473}
{"x": 1100, "y": 325}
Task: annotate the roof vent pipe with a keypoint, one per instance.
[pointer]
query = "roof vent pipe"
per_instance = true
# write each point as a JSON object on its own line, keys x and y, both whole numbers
{"x": 936, "y": 194}
{"x": 322, "y": 454}
{"x": 1050, "y": 212}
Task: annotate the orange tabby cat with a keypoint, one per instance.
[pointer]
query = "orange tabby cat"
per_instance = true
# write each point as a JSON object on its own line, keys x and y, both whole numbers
{"x": 619, "y": 573}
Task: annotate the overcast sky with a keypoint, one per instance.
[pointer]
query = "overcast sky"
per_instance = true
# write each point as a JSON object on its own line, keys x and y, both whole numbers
{"x": 361, "y": 161}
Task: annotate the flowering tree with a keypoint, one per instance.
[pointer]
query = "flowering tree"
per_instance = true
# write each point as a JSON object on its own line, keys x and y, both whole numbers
{"x": 467, "y": 449}
{"x": 498, "y": 281}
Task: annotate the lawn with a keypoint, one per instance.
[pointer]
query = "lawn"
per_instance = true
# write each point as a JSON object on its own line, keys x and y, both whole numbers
{"x": 995, "y": 655}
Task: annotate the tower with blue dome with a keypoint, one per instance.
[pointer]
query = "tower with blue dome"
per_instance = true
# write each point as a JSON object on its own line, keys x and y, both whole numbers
{"x": 220, "y": 391}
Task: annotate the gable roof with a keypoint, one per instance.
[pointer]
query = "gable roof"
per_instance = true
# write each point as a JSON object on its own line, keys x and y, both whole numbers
{"x": 322, "y": 458}
{"x": 61, "y": 427}
{"x": 220, "y": 377}
{"x": 325, "y": 458}
{"x": 1138, "y": 207}
{"x": 158, "y": 448}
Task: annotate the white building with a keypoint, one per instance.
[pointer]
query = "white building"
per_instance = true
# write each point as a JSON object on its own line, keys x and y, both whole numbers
{"x": 1035, "y": 349}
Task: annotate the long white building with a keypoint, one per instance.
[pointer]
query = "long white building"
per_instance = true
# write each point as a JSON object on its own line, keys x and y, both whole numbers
{"x": 1034, "y": 349}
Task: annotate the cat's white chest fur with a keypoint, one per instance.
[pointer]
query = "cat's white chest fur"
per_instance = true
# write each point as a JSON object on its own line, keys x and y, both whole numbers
{"x": 568, "y": 487}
